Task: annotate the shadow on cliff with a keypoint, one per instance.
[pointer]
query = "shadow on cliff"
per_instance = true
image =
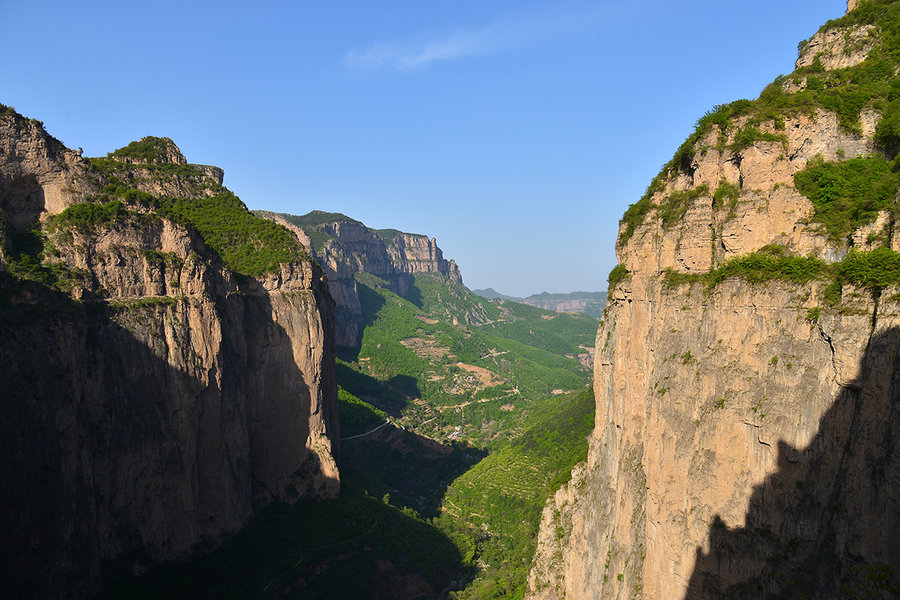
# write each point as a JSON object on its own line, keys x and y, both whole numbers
{"x": 414, "y": 295}
{"x": 826, "y": 523}
{"x": 376, "y": 392}
{"x": 110, "y": 452}
{"x": 370, "y": 303}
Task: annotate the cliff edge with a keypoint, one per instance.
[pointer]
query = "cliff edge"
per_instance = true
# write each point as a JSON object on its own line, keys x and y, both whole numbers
{"x": 746, "y": 369}
{"x": 167, "y": 362}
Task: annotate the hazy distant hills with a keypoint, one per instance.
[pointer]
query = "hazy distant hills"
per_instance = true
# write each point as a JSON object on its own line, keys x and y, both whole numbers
{"x": 589, "y": 303}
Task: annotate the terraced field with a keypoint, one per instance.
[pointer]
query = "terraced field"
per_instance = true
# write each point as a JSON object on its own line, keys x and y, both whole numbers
{"x": 494, "y": 508}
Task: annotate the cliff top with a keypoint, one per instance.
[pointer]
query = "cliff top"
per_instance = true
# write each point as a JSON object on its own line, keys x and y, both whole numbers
{"x": 317, "y": 217}
{"x": 47, "y": 187}
{"x": 800, "y": 183}
{"x": 848, "y": 66}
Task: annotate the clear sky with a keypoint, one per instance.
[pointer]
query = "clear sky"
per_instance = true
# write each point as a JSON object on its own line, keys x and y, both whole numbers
{"x": 515, "y": 132}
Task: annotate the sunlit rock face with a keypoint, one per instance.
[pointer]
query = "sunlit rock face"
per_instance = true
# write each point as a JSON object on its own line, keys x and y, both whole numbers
{"x": 746, "y": 433}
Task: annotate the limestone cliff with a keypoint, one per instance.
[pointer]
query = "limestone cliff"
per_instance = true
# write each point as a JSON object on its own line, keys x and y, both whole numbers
{"x": 414, "y": 254}
{"x": 160, "y": 383}
{"x": 346, "y": 249}
{"x": 747, "y": 371}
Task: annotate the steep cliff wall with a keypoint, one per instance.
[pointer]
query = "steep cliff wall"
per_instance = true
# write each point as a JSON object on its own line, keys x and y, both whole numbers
{"x": 747, "y": 371}
{"x": 156, "y": 390}
{"x": 414, "y": 254}
{"x": 345, "y": 248}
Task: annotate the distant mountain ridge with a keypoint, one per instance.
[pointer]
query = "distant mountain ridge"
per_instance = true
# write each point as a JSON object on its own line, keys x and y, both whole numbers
{"x": 346, "y": 249}
{"x": 588, "y": 303}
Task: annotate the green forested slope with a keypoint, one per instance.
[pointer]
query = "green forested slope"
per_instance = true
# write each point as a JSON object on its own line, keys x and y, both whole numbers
{"x": 470, "y": 383}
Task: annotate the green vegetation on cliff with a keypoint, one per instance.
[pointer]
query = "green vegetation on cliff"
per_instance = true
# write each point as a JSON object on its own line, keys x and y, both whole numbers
{"x": 845, "y": 92}
{"x": 768, "y": 263}
{"x": 246, "y": 243}
{"x": 872, "y": 270}
{"x": 850, "y": 193}
{"x": 149, "y": 149}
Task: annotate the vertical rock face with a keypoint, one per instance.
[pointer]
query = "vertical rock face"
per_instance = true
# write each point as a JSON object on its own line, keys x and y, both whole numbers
{"x": 354, "y": 248}
{"x": 154, "y": 402}
{"x": 747, "y": 428}
{"x": 415, "y": 254}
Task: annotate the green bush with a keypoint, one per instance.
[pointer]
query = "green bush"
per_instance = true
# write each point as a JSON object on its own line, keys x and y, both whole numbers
{"x": 87, "y": 216}
{"x": 673, "y": 209}
{"x": 618, "y": 273}
{"x": 872, "y": 270}
{"x": 726, "y": 193}
{"x": 149, "y": 149}
{"x": 748, "y": 135}
{"x": 833, "y": 292}
{"x": 770, "y": 263}
{"x": 633, "y": 217}
{"x": 848, "y": 194}
{"x": 767, "y": 264}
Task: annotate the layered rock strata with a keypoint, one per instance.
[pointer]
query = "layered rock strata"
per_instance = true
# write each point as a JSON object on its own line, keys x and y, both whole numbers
{"x": 156, "y": 404}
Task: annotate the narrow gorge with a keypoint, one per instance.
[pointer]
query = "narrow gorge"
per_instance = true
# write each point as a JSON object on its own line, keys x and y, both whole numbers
{"x": 200, "y": 400}
{"x": 747, "y": 371}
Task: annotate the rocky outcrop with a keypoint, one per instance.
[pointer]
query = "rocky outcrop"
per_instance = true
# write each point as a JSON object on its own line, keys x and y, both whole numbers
{"x": 155, "y": 400}
{"x": 767, "y": 209}
{"x": 746, "y": 433}
{"x": 838, "y": 48}
{"x": 37, "y": 173}
{"x": 354, "y": 248}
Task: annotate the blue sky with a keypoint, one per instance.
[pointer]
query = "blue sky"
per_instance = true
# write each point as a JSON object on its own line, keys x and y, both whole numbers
{"x": 516, "y": 133}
